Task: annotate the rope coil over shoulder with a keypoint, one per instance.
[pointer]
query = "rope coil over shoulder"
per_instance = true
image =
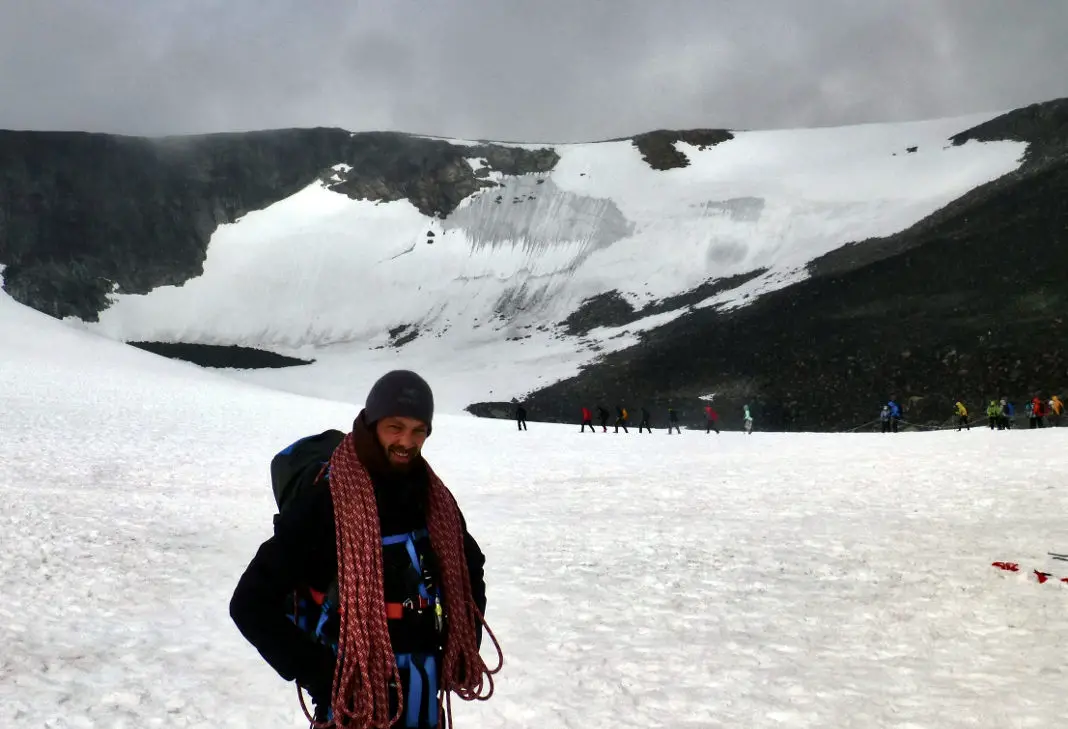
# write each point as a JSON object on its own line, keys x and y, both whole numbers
{"x": 366, "y": 667}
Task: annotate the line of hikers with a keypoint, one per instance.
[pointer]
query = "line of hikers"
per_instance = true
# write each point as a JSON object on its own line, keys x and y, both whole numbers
{"x": 623, "y": 418}
{"x": 999, "y": 413}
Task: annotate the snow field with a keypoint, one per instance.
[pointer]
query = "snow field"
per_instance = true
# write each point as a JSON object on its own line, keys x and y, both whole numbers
{"x": 777, "y": 580}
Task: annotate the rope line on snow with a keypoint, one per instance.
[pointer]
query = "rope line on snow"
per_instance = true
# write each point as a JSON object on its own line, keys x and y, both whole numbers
{"x": 865, "y": 425}
{"x": 944, "y": 427}
{"x": 918, "y": 425}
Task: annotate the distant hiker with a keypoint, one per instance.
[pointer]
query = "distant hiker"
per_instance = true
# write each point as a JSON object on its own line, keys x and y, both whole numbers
{"x": 962, "y": 417}
{"x": 993, "y": 414}
{"x": 711, "y": 419}
{"x": 521, "y": 417}
{"x": 1038, "y": 411}
{"x": 587, "y": 419}
{"x": 645, "y": 422}
{"x": 621, "y": 419}
{"x": 603, "y": 415}
{"x": 1056, "y": 408}
{"x": 1003, "y": 414}
{"x": 371, "y": 593}
{"x": 673, "y": 421}
{"x": 895, "y": 414}
{"x": 748, "y": 420}
{"x": 1008, "y": 414}
{"x": 884, "y": 416}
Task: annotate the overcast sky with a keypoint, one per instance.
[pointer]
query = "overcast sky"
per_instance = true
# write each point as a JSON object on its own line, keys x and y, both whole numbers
{"x": 525, "y": 70}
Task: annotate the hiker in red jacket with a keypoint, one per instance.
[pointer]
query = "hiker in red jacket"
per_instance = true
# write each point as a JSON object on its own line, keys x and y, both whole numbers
{"x": 587, "y": 419}
{"x": 711, "y": 418}
{"x": 1038, "y": 411}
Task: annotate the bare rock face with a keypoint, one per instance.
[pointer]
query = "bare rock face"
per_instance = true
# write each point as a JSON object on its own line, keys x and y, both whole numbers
{"x": 658, "y": 148}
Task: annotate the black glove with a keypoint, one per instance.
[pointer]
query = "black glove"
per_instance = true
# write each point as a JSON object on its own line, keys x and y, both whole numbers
{"x": 321, "y": 715}
{"x": 320, "y": 684}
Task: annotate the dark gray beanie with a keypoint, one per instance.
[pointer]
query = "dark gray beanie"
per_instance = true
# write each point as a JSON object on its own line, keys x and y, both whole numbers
{"x": 400, "y": 393}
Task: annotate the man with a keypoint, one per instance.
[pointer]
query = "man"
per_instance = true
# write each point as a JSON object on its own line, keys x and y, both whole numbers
{"x": 993, "y": 414}
{"x": 521, "y": 417}
{"x": 365, "y": 539}
{"x": 645, "y": 421}
{"x": 587, "y": 419}
{"x": 1038, "y": 411}
{"x": 621, "y": 419}
{"x": 895, "y": 414}
{"x": 962, "y": 417}
{"x": 602, "y": 413}
{"x": 711, "y": 416}
{"x": 673, "y": 421}
{"x": 747, "y": 420}
{"x": 1056, "y": 408}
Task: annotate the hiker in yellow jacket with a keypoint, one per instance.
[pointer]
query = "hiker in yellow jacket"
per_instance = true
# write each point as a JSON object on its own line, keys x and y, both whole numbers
{"x": 1056, "y": 409}
{"x": 962, "y": 417}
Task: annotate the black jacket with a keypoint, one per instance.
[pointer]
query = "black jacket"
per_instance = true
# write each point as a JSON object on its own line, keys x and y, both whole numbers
{"x": 302, "y": 553}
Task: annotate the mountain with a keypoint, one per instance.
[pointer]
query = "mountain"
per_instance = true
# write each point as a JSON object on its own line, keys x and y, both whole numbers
{"x": 811, "y": 273}
{"x": 968, "y": 303}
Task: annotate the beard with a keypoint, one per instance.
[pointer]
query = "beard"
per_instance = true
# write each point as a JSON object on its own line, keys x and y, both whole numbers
{"x": 401, "y": 459}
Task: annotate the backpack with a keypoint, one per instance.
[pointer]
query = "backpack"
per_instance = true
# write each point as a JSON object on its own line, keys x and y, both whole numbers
{"x": 298, "y": 465}
{"x": 412, "y": 597}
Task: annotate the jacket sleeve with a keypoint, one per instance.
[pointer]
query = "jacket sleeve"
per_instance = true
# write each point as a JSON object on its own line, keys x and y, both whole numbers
{"x": 259, "y": 603}
{"x": 476, "y": 570}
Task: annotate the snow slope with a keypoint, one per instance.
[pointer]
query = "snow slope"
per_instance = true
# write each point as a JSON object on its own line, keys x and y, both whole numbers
{"x": 321, "y": 276}
{"x": 777, "y": 580}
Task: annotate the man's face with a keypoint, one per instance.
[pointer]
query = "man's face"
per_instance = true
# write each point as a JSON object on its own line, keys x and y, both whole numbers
{"x": 402, "y": 439}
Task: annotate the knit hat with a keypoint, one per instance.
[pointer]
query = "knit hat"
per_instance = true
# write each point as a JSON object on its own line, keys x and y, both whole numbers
{"x": 400, "y": 393}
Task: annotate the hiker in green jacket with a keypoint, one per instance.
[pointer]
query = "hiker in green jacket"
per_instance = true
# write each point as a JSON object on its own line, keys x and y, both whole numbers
{"x": 993, "y": 412}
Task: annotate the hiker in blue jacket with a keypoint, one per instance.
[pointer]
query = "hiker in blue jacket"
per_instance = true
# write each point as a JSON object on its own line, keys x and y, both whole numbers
{"x": 895, "y": 414}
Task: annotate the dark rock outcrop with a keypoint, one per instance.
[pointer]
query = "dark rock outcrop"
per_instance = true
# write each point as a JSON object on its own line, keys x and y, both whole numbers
{"x": 213, "y": 355}
{"x": 610, "y": 309}
{"x": 658, "y": 148}
{"x": 431, "y": 173}
{"x": 1043, "y": 127}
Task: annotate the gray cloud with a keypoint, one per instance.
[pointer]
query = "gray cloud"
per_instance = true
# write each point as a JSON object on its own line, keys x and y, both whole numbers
{"x": 550, "y": 70}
